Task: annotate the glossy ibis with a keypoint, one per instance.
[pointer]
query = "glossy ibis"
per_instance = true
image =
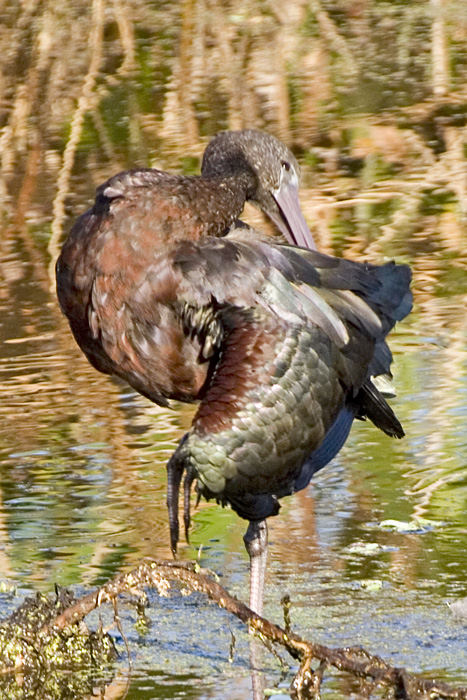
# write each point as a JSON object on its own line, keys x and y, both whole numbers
{"x": 163, "y": 287}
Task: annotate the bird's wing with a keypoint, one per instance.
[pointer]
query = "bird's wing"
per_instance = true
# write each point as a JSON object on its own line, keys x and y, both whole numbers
{"x": 369, "y": 299}
{"x": 355, "y": 304}
{"x": 294, "y": 340}
{"x": 180, "y": 307}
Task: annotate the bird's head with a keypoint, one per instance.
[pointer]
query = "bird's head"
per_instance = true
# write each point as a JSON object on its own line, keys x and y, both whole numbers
{"x": 268, "y": 171}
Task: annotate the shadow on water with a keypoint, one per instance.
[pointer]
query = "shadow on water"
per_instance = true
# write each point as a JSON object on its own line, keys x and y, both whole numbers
{"x": 373, "y": 550}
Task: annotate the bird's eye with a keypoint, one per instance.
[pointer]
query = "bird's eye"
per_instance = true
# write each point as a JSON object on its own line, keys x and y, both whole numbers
{"x": 286, "y": 165}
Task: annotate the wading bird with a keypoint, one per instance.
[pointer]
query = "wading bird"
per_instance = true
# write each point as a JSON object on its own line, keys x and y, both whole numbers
{"x": 163, "y": 287}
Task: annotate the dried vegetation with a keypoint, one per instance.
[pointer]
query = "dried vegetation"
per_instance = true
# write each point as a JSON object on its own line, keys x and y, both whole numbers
{"x": 370, "y": 94}
{"x": 90, "y": 87}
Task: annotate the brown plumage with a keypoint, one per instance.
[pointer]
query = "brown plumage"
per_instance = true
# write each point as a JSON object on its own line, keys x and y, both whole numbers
{"x": 163, "y": 288}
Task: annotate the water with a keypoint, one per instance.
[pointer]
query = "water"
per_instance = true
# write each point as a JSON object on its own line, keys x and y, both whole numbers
{"x": 375, "y": 549}
{"x": 83, "y": 497}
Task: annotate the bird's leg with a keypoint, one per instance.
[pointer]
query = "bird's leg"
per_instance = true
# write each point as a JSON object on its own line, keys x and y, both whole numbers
{"x": 256, "y": 543}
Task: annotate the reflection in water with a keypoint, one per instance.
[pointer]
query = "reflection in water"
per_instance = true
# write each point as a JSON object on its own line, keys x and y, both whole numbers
{"x": 82, "y": 493}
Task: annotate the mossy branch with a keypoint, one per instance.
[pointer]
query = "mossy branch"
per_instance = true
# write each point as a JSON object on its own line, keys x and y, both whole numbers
{"x": 355, "y": 661}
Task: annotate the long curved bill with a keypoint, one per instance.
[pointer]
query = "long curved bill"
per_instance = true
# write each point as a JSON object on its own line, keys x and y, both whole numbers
{"x": 290, "y": 220}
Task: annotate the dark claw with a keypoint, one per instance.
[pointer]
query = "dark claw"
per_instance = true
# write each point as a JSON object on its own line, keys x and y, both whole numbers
{"x": 175, "y": 468}
{"x": 189, "y": 478}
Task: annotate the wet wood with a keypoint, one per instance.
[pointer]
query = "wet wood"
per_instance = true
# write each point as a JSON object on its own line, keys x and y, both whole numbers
{"x": 357, "y": 662}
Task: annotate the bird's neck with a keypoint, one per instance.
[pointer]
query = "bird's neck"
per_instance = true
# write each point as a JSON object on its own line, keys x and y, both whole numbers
{"x": 240, "y": 186}
{"x": 219, "y": 204}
